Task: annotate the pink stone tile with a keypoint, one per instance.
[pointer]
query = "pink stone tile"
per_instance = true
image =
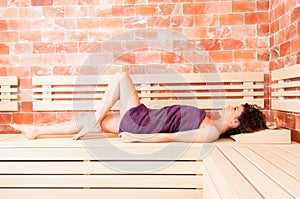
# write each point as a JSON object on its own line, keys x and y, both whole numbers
{"x": 100, "y": 11}
{"x": 244, "y": 55}
{"x": 210, "y": 44}
{"x": 31, "y": 12}
{"x": 148, "y": 58}
{"x": 10, "y": 13}
{"x": 9, "y": 36}
{"x": 263, "y": 55}
{"x": 285, "y": 49}
{"x": 179, "y": 21}
{"x": 206, "y": 19}
{"x": 88, "y": 23}
{"x": 45, "y": 118}
{"x": 41, "y": 70}
{"x": 284, "y": 21}
{"x": 25, "y": 83}
{"x": 127, "y": 58}
{"x": 243, "y": 6}
{"x": 257, "y": 43}
{"x": 76, "y": 35}
{"x": 171, "y": 58}
{"x": 220, "y": 32}
{"x": 295, "y": 14}
{"x": 257, "y": 18}
{"x": 3, "y": 25}
{"x": 65, "y": 24}
{"x": 279, "y": 10}
{"x": 231, "y": 44}
{"x": 89, "y": 47}
{"x": 290, "y": 32}
{"x": 263, "y": 30}
{"x": 295, "y": 45}
{"x": 54, "y": 60}
{"x": 168, "y": 9}
{"x": 31, "y": 36}
{"x": 194, "y": 8}
{"x": 26, "y": 107}
{"x": 221, "y": 56}
{"x": 274, "y": 27}
{"x": 4, "y": 49}
{"x": 231, "y": 19}
{"x": 66, "y": 47}
{"x": 135, "y": 22}
{"x": 112, "y": 23}
{"x": 159, "y": 21}
{"x": 31, "y": 60}
{"x": 146, "y": 10}
{"x": 5, "y": 118}
{"x": 76, "y": 11}
{"x": 263, "y": 5}
{"x": 65, "y": 70}
{"x": 9, "y": 61}
{"x": 218, "y": 7}
{"x": 41, "y": 3}
{"x": 17, "y": 24}
{"x": 54, "y": 35}
{"x": 41, "y": 48}
{"x": 22, "y": 118}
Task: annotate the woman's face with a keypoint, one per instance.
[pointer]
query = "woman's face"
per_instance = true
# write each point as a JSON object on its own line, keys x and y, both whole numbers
{"x": 231, "y": 114}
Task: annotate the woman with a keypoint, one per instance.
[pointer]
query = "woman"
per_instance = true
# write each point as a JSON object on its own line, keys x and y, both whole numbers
{"x": 136, "y": 121}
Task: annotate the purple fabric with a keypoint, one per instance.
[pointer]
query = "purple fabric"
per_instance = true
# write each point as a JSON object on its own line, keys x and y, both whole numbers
{"x": 170, "y": 119}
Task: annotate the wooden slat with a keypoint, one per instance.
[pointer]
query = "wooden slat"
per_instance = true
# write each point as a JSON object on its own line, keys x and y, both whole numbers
{"x": 291, "y": 105}
{"x": 101, "y": 193}
{"x": 103, "y": 181}
{"x": 286, "y": 73}
{"x": 284, "y": 180}
{"x": 263, "y": 184}
{"x": 104, "y": 167}
{"x": 288, "y": 167}
{"x": 286, "y": 84}
{"x": 286, "y": 94}
{"x": 8, "y": 80}
{"x": 228, "y": 181}
{"x": 291, "y": 157}
{"x": 138, "y": 153}
{"x": 9, "y": 106}
{"x": 209, "y": 188}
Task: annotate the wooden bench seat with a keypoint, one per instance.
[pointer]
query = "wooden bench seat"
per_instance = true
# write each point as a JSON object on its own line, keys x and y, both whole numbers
{"x": 252, "y": 171}
{"x": 8, "y": 93}
{"x": 97, "y": 167}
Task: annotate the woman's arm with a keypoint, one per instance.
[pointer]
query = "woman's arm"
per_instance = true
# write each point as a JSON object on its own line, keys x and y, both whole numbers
{"x": 208, "y": 134}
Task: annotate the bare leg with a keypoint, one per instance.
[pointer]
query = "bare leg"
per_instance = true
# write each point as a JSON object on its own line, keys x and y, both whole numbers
{"x": 121, "y": 88}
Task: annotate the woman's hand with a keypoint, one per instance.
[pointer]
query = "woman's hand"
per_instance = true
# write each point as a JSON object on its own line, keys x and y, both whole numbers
{"x": 128, "y": 137}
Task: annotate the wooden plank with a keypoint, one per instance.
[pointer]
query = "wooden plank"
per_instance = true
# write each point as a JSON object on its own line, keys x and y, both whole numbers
{"x": 286, "y": 73}
{"x": 286, "y": 105}
{"x": 9, "y": 106}
{"x": 8, "y": 80}
{"x": 102, "y": 167}
{"x": 284, "y": 180}
{"x": 294, "y": 149}
{"x": 229, "y": 182}
{"x": 209, "y": 188}
{"x": 103, "y": 181}
{"x": 138, "y": 153}
{"x": 91, "y": 140}
{"x": 262, "y": 183}
{"x": 288, "y": 167}
{"x": 152, "y": 78}
{"x": 101, "y": 193}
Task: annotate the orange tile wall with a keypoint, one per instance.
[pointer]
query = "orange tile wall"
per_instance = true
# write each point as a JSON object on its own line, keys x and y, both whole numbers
{"x": 285, "y": 50}
{"x": 56, "y": 37}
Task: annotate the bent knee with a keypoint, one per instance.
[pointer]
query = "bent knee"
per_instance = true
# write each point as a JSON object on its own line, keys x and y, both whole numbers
{"x": 110, "y": 123}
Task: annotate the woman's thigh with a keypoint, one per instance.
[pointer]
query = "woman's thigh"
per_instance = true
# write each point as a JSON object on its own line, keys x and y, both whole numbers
{"x": 111, "y": 123}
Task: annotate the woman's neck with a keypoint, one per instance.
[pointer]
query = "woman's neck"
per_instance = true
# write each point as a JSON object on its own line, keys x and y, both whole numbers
{"x": 218, "y": 121}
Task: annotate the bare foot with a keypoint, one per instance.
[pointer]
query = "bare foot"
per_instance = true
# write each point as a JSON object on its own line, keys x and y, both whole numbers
{"x": 29, "y": 131}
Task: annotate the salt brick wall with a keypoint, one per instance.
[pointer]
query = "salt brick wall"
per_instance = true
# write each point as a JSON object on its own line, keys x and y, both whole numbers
{"x": 285, "y": 50}
{"x": 55, "y": 37}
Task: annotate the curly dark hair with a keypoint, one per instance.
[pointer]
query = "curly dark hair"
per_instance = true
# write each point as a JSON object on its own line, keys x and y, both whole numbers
{"x": 252, "y": 119}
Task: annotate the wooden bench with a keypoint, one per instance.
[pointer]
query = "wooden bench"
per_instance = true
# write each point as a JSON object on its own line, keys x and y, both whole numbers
{"x": 252, "y": 171}
{"x": 104, "y": 167}
{"x": 8, "y": 93}
{"x": 259, "y": 170}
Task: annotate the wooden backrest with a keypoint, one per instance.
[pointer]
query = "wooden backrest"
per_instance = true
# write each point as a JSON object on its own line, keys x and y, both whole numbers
{"x": 207, "y": 91}
{"x": 285, "y": 89}
{"x": 8, "y": 90}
